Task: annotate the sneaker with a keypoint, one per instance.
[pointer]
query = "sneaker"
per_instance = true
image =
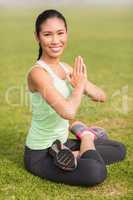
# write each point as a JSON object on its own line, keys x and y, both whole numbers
{"x": 63, "y": 156}
{"x": 98, "y": 132}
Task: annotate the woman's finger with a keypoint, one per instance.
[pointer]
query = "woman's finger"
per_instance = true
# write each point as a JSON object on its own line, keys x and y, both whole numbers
{"x": 85, "y": 70}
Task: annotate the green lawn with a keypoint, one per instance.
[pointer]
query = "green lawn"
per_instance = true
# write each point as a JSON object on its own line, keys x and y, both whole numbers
{"x": 104, "y": 37}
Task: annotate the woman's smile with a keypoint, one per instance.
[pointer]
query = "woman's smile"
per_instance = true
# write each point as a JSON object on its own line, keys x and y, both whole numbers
{"x": 55, "y": 49}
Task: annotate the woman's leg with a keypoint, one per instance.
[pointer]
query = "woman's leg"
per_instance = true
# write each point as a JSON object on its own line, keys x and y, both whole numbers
{"x": 90, "y": 171}
{"x": 111, "y": 151}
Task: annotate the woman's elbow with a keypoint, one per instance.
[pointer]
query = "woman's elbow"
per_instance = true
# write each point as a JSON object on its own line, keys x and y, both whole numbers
{"x": 68, "y": 114}
{"x": 104, "y": 97}
{"x": 100, "y": 98}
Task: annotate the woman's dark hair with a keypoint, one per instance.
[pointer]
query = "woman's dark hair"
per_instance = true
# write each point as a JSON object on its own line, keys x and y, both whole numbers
{"x": 42, "y": 18}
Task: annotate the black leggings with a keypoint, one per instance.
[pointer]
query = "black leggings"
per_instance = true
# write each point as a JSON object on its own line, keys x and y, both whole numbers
{"x": 91, "y": 168}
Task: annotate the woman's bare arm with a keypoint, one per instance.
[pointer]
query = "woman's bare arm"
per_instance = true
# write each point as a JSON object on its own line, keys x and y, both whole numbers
{"x": 91, "y": 90}
{"x": 96, "y": 93}
{"x": 42, "y": 83}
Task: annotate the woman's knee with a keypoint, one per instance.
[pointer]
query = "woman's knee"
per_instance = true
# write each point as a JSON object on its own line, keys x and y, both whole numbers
{"x": 122, "y": 150}
{"x": 99, "y": 174}
{"x": 93, "y": 172}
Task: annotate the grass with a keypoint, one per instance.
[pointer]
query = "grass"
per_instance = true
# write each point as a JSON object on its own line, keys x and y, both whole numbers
{"x": 104, "y": 37}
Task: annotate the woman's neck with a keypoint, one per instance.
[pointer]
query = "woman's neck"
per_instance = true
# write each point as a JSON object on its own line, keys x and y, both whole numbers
{"x": 53, "y": 62}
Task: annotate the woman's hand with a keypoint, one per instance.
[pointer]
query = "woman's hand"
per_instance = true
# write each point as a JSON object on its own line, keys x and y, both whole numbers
{"x": 79, "y": 74}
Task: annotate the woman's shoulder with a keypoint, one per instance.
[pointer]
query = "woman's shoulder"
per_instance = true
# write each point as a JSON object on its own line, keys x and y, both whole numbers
{"x": 36, "y": 72}
{"x": 36, "y": 69}
{"x": 37, "y": 76}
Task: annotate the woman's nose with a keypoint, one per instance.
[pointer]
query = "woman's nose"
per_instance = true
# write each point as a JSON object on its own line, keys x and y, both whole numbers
{"x": 55, "y": 39}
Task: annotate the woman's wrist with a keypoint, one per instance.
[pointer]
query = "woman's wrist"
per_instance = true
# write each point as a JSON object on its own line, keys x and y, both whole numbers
{"x": 80, "y": 87}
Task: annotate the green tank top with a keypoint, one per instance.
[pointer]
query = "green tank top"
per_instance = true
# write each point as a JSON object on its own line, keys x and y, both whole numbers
{"x": 46, "y": 124}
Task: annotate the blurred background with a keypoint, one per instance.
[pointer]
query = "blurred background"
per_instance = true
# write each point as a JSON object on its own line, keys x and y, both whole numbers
{"x": 32, "y": 3}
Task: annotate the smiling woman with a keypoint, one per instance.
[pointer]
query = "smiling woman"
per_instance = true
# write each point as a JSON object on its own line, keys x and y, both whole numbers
{"x": 56, "y": 91}
{"x": 51, "y": 35}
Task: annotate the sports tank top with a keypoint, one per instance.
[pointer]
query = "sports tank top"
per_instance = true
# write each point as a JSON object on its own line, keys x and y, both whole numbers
{"x": 46, "y": 124}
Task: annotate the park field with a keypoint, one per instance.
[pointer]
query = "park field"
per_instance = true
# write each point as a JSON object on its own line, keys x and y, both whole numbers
{"x": 104, "y": 38}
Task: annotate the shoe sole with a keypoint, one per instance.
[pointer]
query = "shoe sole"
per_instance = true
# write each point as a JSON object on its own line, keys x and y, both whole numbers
{"x": 63, "y": 158}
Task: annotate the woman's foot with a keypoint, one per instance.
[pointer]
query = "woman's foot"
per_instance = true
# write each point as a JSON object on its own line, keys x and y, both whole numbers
{"x": 63, "y": 156}
{"x": 79, "y": 129}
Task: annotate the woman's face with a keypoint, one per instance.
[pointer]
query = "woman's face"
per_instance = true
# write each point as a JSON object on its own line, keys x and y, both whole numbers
{"x": 53, "y": 37}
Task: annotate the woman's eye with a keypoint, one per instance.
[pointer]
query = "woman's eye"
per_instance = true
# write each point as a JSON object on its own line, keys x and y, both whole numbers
{"x": 46, "y": 34}
{"x": 61, "y": 33}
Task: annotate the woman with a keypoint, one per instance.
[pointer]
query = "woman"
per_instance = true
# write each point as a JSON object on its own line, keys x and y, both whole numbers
{"x": 56, "y": 90}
